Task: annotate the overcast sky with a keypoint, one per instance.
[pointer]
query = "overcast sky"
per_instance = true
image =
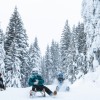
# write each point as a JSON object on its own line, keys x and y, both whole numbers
{"x": 44, "y": 19}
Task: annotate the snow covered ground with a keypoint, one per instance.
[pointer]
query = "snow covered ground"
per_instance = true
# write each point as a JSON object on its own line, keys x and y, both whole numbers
{"x": 87, "y": 88}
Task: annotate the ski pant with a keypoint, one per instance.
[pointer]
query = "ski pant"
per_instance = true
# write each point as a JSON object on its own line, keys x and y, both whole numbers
{"x": 41, "y": 88}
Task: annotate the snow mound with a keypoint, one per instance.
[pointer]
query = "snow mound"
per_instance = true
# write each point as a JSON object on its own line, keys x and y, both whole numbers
{"x": 92, "y": 79}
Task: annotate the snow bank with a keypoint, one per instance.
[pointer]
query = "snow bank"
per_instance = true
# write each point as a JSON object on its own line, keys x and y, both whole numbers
{"x": 90, "y": 80}
{"x": 86, "y": 88}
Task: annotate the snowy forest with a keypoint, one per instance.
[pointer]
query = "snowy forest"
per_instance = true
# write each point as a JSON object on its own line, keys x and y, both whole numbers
{"x": 77, "y": 53}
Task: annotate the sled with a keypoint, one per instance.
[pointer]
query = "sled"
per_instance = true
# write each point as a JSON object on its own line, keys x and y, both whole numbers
{"x": 66, "y": 88}
{"x": 33, "y": 93}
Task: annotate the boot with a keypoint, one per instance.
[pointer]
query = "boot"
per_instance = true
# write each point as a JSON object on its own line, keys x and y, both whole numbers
{"x": 55, "y": 93}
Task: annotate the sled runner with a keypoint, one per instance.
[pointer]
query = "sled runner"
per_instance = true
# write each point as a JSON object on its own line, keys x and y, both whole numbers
{"x": 33, "y": 93}
{"x": 67, "y": 88}
{"x": 43, "y": 93}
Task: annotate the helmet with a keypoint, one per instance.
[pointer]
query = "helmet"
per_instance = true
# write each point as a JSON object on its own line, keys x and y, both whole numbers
{"x": 35, "y": 71}
{"x": 60, "y": 75}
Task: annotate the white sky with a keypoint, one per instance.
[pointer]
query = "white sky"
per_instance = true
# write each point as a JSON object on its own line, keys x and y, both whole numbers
{"x": 44, "y": 19}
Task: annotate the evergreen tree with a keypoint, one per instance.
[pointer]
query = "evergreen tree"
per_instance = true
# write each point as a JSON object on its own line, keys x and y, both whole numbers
{"x": 35, "y": 55}
{"x": 65, "y": 42}
{"x": 2, "y": 54}
{"x": 71, "y": 69}
{"x": 16, "y": 51}
{"x": 48, "y": 65}
{"x": 81, "y": 38}
{"x": 91, "y": 15}
{"x": 82, "y": 48}
{"x": 43, "y": 70}
{"x": 56, "y": 58}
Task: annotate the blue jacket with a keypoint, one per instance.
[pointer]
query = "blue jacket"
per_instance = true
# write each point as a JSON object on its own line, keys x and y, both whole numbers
{"x": 33, "y": 79}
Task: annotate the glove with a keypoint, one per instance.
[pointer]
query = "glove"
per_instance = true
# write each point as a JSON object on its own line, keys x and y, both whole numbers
{"x": 36, "y": 82}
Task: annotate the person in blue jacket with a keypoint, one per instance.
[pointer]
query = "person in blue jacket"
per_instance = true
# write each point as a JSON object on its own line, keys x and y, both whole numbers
{"x": 37, "y": 83}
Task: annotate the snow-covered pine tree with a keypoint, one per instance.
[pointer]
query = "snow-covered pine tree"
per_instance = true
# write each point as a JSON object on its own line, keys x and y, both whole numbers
{"x": 81, "y": 38}
{"x": 43, "y": 70}
{"x": 16, "y": 51}
{"x": 71, "y": 65}
{"x": 65, "y": 42}
{"x": 48, "y": 65}
{"x": 91, "y": 15}
{"x": 35, "y": 55}
{"x": 25, "y": 69}
{"x": 2, "y": 54}
{"x": 82, "y": 48}
{"x": 56, "y": 58}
